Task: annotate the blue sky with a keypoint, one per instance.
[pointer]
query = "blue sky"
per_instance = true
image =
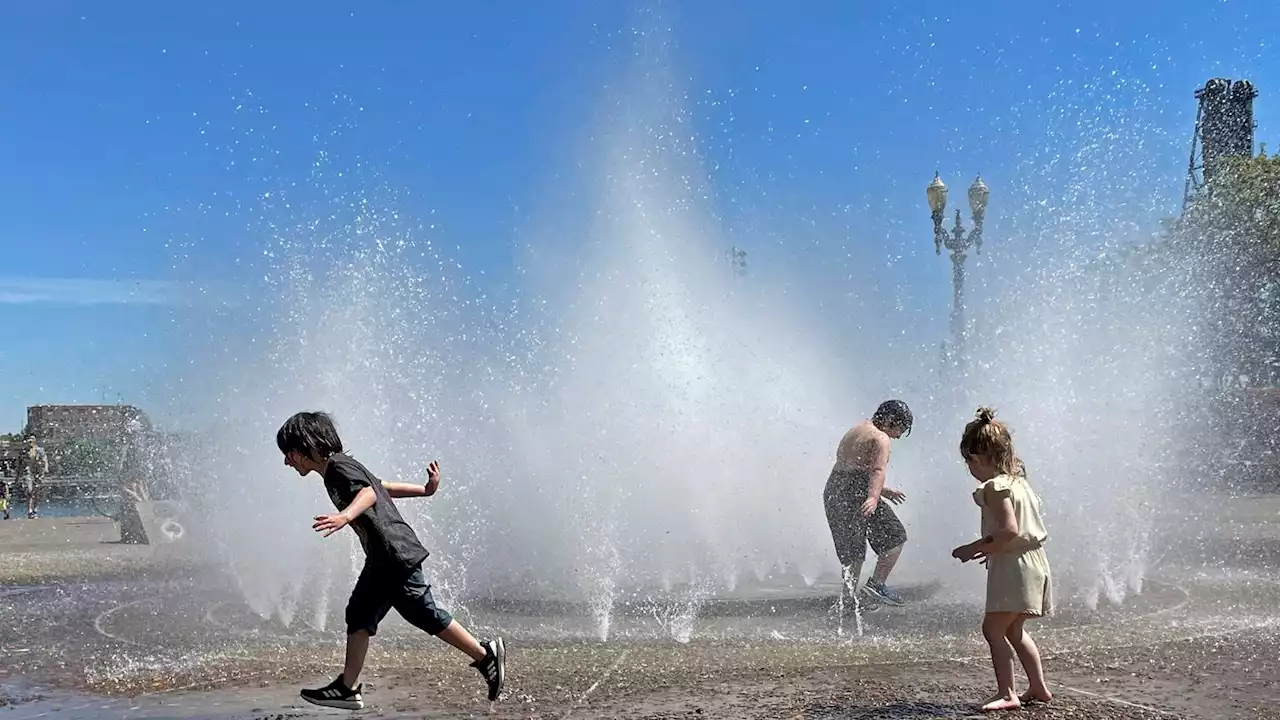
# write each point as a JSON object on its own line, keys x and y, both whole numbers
{"x": 135, "y": 140}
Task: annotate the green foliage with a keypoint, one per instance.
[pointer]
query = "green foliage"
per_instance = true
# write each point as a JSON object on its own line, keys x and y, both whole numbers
{"x": 1231, "y": 237}
{"x": 1239, "y": 214}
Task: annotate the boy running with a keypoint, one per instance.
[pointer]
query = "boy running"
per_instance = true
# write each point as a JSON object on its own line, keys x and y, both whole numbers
{"x": 392, "y": 575}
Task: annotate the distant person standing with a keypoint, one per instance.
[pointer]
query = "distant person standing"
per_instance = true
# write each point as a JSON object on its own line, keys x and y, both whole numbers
{"x": 852, "y": 499}
{"x": 4, "y": 496}
{"x": 34, "y": 466}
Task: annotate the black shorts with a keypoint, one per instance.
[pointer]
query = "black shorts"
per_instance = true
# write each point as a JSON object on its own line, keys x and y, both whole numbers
{"x": 376, "y": 592}
{"x": 851, "y": 532}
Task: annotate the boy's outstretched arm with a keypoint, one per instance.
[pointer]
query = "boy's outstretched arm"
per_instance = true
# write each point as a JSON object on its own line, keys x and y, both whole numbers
{"x": 330, "y": 524}
{"x": 398, "y": 489}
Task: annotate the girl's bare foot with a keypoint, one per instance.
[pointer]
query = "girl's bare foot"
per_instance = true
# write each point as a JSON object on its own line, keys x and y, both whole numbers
{"x": 1033, "y": 698}
{"x": 1001, "y": 702}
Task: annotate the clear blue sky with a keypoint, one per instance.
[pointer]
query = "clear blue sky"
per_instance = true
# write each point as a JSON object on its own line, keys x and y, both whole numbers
{"x": 118, "y": 124}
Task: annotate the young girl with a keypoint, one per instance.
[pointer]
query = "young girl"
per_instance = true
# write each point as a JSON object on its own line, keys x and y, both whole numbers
{"x": 1011, "y": 546}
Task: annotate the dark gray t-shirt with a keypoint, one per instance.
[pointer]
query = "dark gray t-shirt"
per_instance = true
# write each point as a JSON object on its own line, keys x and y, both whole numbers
{"x": 390, "y": 544}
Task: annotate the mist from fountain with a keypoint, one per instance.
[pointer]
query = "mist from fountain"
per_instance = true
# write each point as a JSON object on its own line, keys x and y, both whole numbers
{"x": 641, "y": 424}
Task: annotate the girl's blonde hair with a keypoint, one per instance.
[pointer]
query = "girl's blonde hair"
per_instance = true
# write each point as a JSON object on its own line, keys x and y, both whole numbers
{"x": 984, "y": 435}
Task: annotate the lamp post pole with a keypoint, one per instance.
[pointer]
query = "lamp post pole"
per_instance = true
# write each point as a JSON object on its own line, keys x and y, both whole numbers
{"x": 958, "y": 241}
{"x": 738, "y": 259}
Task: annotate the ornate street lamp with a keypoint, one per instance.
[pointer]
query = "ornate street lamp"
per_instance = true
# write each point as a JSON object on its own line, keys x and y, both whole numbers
{"x": 958, "y": 242}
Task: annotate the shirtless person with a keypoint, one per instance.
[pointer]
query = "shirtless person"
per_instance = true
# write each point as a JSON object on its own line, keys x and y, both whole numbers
{"x": 853, "y": 497}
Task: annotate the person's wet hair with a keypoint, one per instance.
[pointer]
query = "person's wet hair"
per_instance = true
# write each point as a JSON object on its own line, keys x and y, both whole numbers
{"x": 311, "y": 433}
{"x": 984, "y": 435}
{"x": 893, "y": 414}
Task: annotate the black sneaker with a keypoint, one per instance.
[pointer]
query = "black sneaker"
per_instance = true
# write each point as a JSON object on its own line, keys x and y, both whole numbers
{"x": 336, "y": 695}
{"x": 493, "y": 667}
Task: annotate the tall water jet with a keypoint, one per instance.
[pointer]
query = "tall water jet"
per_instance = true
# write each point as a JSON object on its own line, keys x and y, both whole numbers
{"x": 570, "y": 441}
{"x": 679, "y": 392}
{"x": 1085, "y": 348}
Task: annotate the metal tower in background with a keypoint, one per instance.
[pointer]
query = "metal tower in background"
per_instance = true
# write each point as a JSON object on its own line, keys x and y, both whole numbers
{"x": 1224, "y": 129}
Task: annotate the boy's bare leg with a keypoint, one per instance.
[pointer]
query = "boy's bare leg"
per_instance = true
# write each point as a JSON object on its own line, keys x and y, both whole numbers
{"x": 848, "y": 594}
{"x": 994, "y": 627}
{"x": 457, "y": 636}
{"x": 357, "y": 648}
{"x": 884, "y": 564}
{"x": 1029, "y": 656}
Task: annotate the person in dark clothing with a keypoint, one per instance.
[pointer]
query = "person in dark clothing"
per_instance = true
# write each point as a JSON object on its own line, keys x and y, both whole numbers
{"x": 392, "y": 575}
{"x": 852, "y": 500}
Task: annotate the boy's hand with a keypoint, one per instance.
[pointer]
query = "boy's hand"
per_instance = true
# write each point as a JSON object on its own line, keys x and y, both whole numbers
{"x": 869, "y": 506}
{"x": 330, "y": 523}
{"x": 897, "y": 497}
{"x": 433, "y": 479}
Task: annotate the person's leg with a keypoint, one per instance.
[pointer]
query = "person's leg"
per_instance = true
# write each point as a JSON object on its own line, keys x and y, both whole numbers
{"x": 887, "y": 536}
{"x": 459, "y": 637}
{"x": 849, "y": 535}
{"x": 849, "y": 576}
{"x": 415, "y": 604}
{"x": 357, "y": 649}
{"x": 1029, "y": 655}
{"x": 994, "y": 627}
{"x": 885, "y": 562}
{"x": 848, "y": 600}
{"x": 365, "y": 610}
{"x": 31, "y": 496}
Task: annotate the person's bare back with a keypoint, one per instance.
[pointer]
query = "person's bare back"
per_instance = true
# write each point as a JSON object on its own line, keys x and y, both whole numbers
{"x": 864, "y": 448}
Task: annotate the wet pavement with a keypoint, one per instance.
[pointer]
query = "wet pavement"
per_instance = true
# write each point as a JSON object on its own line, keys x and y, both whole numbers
{"x": 138, "y": 633}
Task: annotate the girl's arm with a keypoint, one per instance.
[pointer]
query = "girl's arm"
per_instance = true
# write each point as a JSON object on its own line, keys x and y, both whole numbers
{"x": 1001, "y": 508}
{"x": 1000, "y": 505}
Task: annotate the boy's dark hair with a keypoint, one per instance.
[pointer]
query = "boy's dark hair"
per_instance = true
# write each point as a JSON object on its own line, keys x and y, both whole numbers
{"x": 311, "y": 433}
{"x": 893, "y": 414}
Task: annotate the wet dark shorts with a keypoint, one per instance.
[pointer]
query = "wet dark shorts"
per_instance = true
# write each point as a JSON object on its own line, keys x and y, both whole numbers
{"x": 376, "y": 593}
{"x": 851, "y": 532}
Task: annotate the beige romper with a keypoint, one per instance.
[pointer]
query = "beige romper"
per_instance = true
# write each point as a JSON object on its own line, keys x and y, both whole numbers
{"x": 1018, "y": 578}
